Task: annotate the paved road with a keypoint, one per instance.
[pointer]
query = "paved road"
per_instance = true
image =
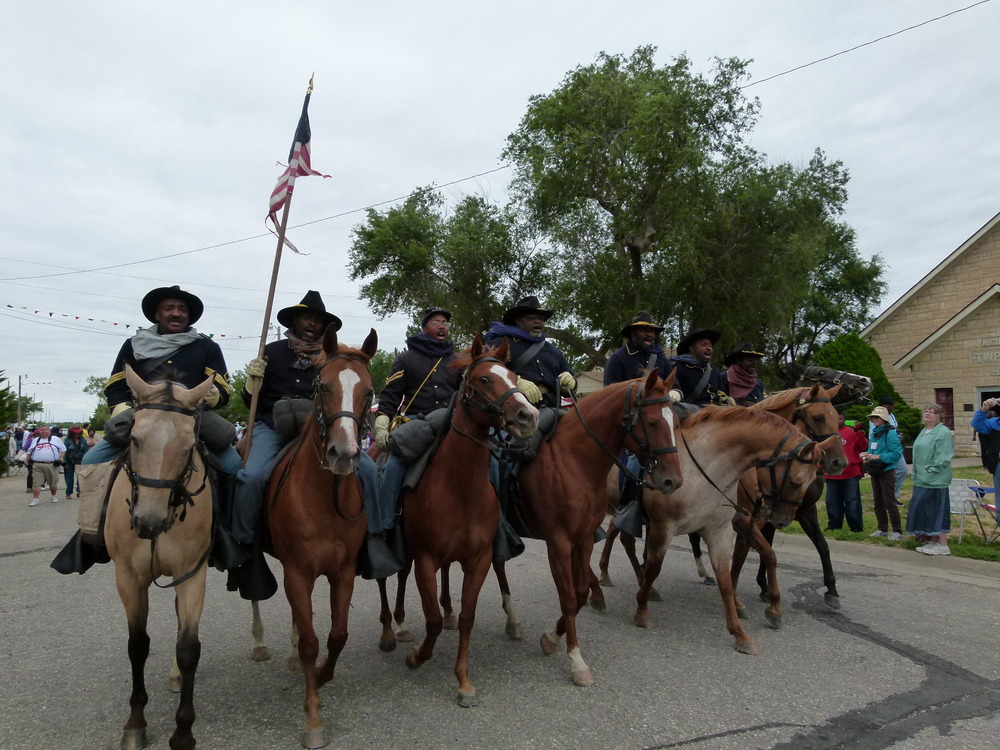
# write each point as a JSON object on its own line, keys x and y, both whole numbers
{"x": 909, "y": 662}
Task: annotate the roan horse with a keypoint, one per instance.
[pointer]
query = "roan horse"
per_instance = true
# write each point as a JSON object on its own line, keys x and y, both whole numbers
{"x": 314, "y": 514}
{"x": 159, "y": 522}
{"x": 718, "y": 447}
{"x": 453, "y": 513}
{"x": 563, "y": 489}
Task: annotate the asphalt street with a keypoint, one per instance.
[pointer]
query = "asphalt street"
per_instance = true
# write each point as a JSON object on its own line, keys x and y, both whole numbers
{"x": 910, "y": 661}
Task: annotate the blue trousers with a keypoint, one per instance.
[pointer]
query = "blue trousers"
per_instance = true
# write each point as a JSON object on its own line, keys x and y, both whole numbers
{"x": 103, "y": 452}
{"x": 843, "y": 498}
{"x": 901, "y": 471}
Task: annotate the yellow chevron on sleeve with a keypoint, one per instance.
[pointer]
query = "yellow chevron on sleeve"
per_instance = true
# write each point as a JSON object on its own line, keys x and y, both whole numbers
{"x": 395, "y": 376}
{"x": 220, "y": 381}
{"x": 115, "y": 378}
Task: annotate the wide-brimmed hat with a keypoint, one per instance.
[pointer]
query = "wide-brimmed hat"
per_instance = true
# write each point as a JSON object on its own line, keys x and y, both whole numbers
{"x": 312, "y": 302}
{"x": 742, "y": 349}
{"x": 881, "y": 412}
{"x": 153, "y": 299}
{"x": 524, "y": 307}
{"x": 430, "y": 312}
{"x": 640, "y": 320}
{"x": 697, "y": 334}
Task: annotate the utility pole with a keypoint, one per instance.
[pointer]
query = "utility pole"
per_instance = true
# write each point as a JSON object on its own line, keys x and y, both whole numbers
{"x": 19, "y": 400}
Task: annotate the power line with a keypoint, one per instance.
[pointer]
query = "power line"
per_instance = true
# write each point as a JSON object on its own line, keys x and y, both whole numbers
{"x": 866, "y": 44}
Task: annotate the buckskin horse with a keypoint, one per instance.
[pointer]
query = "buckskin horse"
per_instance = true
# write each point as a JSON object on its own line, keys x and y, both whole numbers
{"x": 314, "y": 514}
{"x": 159, "y": 522}
{"x": 719, "y": 448}
{"x": 453, "y": 513}
{"x": 563, "y": 489}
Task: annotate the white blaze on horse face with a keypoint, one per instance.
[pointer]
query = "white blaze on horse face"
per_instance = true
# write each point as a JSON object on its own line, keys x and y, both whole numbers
{"x": 668, "y": 417}
{"x": 349, "y": 380}
{"x": 504, "y": 374}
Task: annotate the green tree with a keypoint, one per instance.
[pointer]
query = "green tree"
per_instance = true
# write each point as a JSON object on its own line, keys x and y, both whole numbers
{"x": 236, "y": 410}
{"x": 102, "y": 413}
{"x": 380, "y": 365}
{"x": 30, "y": 408}
{"x": 8, "y": 401}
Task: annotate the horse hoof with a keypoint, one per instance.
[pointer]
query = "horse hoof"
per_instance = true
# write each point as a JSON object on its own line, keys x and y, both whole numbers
{"x": 606, "y": 581}
{"x": 411, "y": 660}
{"x": 133, "y": 739}
{"x": 583, "y": 678}
{"x": 832, "y": 600}
{"x": 773, "y": 619}
{"x": 174, "y": 685}
{"x": 747, "y": 647}
{"x": 708, "y": 581}
{"x": 598, "y": 605}
{"x": 548, "y": 647}
{"x": 260, "y": 653}
{"x": 654, "y": 595}
{"x": 468, "y": 700}
{"x": 763, "y": 597}
{"x": 450, "y": 622}
{"x": 294, "y": 664}
{"x": 514, "y": 631}
{"x": 387, "y": 644}
{"x": 643, "y": 619}
{"x": 313, "y": 738}
{"x": 742, "y": 613}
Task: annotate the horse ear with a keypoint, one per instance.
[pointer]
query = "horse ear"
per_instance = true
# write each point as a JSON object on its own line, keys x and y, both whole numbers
{"x": 835, "y": 390}
{"x": 651, "y": 379}
{"x": 139, "y": 387}
{"x": 503, "y": 351}
{"x": 330, "y": 344}
{"x": 814, "y": 391}
{"x": 196, "y": 394}
{"x": 371, "y": 344}
{"x": 477, "y": 346}
{"x": 668, "y": 382}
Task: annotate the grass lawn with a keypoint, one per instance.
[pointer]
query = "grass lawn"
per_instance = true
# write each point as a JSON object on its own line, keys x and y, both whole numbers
{"x": 972, "y": 544}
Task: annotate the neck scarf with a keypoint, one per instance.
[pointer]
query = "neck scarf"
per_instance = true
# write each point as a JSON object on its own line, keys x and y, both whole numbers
{"x": 149, "y": 343}
{"x": 307, "y": 354}
{"x": 506, "y": 330}
{"x": 741, "y": 381}
{"x": 431, "y": 347}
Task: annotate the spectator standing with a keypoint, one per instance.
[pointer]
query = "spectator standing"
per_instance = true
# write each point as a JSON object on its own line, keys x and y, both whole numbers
{"x": 884, "y": 446}
{"x": 19, "y": 435}
{"x": 92, "y": 438}
{"x": 76, "y": 448}
{"x": 985, "y": 422}
{"x": 43, "y": 458}
{"x": 930, "y": 506}
{"x": 901, "y": 468}
{"x": 843, "y": 491}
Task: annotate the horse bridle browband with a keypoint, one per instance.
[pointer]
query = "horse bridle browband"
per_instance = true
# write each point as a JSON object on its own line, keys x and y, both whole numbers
{"x": 799, "y": 415}
{"x": 492, "y": 407}
{"x": 323, "y": 420}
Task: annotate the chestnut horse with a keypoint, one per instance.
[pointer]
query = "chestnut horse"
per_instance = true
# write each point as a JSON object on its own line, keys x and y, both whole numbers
{"x": 159, "y": 522}
{"x": 453, "y": 513}
{"x": 563, "y": 490}
{"x": 314, "y": 513}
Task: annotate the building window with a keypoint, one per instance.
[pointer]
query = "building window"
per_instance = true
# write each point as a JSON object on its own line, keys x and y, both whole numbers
{"x": 945, "y": 398}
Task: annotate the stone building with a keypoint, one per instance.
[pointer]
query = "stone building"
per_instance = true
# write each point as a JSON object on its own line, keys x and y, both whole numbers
{"x": 940, "y": 341}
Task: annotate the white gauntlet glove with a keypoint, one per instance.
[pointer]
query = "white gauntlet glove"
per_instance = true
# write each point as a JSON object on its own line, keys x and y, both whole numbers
{"x": 675, "y": 396}
{"x": 529, "y": 389}
{"x": 382, "y": 432}
{"x": 567, "y": 382}
{"x": 212, "y": 398}
{"x": 255, "y": 372}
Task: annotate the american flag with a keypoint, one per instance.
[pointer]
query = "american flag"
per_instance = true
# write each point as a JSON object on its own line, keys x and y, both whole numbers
{"x": 298, "y": 163}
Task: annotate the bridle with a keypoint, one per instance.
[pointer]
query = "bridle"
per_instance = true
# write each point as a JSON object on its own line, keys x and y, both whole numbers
{"x": 799, "y": 415}
{"x": 475, "y": 398}
{"x": 632, "y": 411}
{"x": 180, "y": 496}
{"x": 323, "y": 420}
{"x": 837, "y": 377}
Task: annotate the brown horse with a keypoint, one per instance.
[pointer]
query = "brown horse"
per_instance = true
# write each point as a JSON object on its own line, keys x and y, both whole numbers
{"x": 720, "y": 446}
{"x": 314, "y": 512}
{"x": 453, "y": 513}
{"x": 159, "y": 522}
{"x": 562, "y": 490}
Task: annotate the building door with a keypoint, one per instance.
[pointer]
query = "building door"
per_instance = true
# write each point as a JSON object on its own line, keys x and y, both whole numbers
{"x": 945, "y": 398}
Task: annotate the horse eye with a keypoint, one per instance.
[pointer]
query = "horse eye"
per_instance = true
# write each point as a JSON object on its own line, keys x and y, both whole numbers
{"x": 484, "y": 379}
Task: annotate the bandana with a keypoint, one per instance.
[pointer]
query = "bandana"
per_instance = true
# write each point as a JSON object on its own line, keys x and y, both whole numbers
{"x": 741, "y": 382}
{"x": 307, "y": 354}
{"x": 151, "y": 344}
{"x": 507, "y": 330}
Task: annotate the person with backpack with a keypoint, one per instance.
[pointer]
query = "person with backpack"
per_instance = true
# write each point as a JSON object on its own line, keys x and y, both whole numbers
{"x": 884, "y": 451}
{"x": 987, "y": 424}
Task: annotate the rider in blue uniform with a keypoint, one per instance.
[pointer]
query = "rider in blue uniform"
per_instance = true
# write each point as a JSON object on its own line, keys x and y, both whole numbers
{"x": 739, "y": 378}
{"x": 640, "y": 353}
{"x": 697, "y": 381}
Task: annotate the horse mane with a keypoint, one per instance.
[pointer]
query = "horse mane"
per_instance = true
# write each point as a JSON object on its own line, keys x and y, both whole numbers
{"x": 168, "y": 377}
{"x": 737, "y": 415}
{"x": 464, "y": 358}
{"x": 783, "y": 398}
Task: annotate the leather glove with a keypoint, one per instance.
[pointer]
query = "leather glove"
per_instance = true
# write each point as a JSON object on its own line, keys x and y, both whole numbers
{"x": 119, "y": 408}
{"x": 567, "y": 382}
{"x": 529, "y": 389}
{"x": 727, "y": 401}
{"x": 675, "y": 396}
{"x": 255, "y": 372}
{"x": 382, "y": 432}
{"x": 212, "y": 398}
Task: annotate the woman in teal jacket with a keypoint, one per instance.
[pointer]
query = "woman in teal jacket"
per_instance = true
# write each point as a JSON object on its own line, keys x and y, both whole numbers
{"x": 930, "y": 508}
{"x": 884, "y": 446}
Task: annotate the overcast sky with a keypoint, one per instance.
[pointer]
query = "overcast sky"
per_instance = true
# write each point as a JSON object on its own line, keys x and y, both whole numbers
{"x": 132, "y": 131}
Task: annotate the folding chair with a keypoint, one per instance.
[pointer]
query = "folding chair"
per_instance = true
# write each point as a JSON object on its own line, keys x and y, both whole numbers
{"x": 964, "y": 502}
{"x": 991, "y": 508}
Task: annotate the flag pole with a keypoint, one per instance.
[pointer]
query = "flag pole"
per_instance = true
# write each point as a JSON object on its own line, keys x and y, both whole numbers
{"x": 267, "y": 321}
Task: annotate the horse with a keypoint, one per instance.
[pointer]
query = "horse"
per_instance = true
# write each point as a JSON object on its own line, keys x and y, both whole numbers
{"x": 720, "y": 445}
{"x": 159, "y": 522}
{"x": 855, "y": 388}
{"x": 453, "y": 513}
{"x": 562, "y": 489}
{"x": 314, "y": 514}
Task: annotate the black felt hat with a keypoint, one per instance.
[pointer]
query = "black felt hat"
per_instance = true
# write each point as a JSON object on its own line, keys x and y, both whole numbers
{"x": 430, "y": 312}
{"x": 640, "y": 320}
{"x": 525, "y": 306}
{"x": 696, "y": 334}
{"x": 742, "y": 349}
{"x": 312, "y": 302}
{"x": 153, "y": 299}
